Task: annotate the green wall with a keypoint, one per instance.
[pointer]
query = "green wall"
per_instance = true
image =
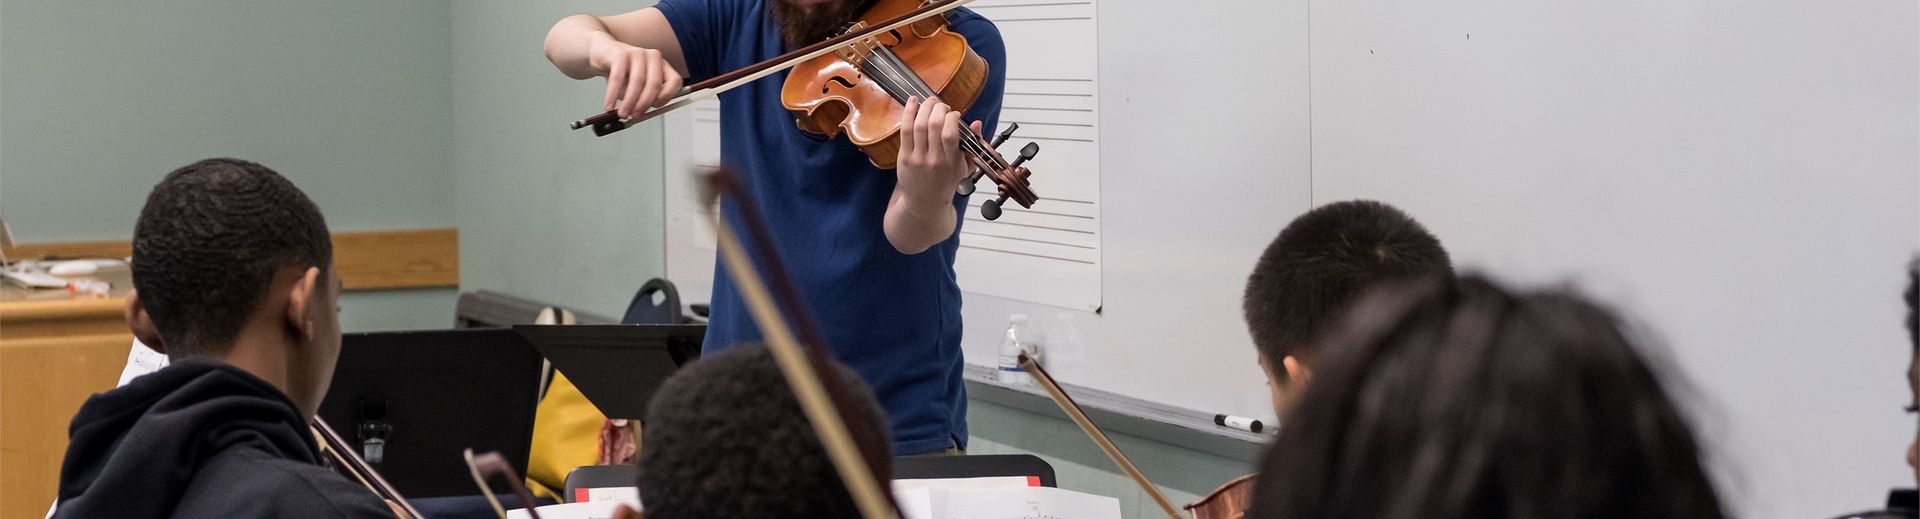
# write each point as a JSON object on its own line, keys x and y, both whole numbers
{"x": 349, "y": 99}
{"x": 546, "y": 213}
{"x": 398, "y": 114}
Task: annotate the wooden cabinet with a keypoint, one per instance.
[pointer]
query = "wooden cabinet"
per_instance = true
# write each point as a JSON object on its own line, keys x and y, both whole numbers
{"x": 56, "y": 349}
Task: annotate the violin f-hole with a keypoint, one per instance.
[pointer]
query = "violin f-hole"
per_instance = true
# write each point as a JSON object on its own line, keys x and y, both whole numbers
{"x": 837, "y": 79}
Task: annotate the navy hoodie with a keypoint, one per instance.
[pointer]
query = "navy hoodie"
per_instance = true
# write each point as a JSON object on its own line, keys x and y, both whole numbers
{"x": 200, "y": 439}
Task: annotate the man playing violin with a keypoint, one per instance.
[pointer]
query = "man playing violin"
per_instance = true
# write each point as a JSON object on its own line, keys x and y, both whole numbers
{"x": 871, "y": 250}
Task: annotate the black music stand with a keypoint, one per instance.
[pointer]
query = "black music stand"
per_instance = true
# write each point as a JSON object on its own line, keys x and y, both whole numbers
{"x": 421, "y": 397}
{"x": 617, "y": 366}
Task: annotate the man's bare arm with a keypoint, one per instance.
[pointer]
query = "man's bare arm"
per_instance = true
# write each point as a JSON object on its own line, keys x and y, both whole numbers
{"x": 636, "y": 51}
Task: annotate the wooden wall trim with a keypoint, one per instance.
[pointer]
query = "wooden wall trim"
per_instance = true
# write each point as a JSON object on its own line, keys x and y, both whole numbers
{"x": 372, "y": 260}
{"x": 420, "y": 258}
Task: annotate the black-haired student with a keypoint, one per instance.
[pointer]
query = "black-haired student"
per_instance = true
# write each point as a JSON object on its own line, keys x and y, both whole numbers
{"x": 1453, "y": 400}
{"x": 234, "y": 280}
{"x": 1316, "y": 266}
{"x": 726, "y": 438}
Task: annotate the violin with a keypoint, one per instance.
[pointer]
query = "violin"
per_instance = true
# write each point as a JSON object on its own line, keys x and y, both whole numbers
{"x": 856, "y": 83}
{"x": 1227, "y": 502}
{"x": 861, "y": 90}
{"x": 345, "y": 458}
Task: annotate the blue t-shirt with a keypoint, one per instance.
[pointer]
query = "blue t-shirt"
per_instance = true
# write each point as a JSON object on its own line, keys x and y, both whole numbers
{"x": 893, "y": 317}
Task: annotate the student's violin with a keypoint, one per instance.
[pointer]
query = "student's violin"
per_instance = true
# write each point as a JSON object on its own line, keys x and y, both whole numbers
{"x": 1227, "y": 502}
{"x": 857, "y": 83}
{"x": 345, "y": 458}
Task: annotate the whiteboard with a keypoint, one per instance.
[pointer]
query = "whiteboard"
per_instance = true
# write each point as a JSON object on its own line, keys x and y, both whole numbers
{"x": 1204, "y": 156}
{"x": 1183, "y": 207}
{"x": 1738, "y": 176}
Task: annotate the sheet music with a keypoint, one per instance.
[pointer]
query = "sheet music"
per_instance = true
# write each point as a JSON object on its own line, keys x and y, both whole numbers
{"x": 1006, "y": 503}
{"x": 915, "y": 496}
{"x": 1049, "y": 254}
{"x": 1052, "y": 93}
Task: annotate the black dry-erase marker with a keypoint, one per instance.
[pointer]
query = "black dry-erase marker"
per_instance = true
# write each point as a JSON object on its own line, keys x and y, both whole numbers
{"x": 1237, "y": 422}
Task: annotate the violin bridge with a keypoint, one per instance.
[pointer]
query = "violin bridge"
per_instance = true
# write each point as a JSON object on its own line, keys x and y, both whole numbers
{"x": 856, "y": 52}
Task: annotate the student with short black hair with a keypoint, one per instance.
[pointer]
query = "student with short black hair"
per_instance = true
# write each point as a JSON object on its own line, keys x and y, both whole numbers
{"x": 725, "y": 437}
{"x": 1315, "y": 268}
{"x": 1452, "y": 400}
{"x": 234, "y": 280}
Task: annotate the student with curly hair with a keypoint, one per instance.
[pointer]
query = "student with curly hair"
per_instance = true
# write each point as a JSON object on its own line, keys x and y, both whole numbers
{"x": 234, "y": 280}
{"x": 725, "y": 437}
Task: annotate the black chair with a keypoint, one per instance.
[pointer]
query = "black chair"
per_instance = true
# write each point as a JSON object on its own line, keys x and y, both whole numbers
{"x": 599, "y": 476}
{"x": 905, "y": 467}
{"x": 644, "y": 310}
{"x": 973, "y": 466}
{"x": 1901, "y": 504}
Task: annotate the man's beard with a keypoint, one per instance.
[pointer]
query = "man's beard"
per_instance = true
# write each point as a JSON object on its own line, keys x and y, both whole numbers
{"x": 803, "y": 25}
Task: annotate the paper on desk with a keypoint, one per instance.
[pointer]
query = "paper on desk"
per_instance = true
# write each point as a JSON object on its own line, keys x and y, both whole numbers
{"x": 903, "y": 485}
{"x": 1006, "y": 503}
{"x": 916, "y": 495}
{"x": 590, "y": 510}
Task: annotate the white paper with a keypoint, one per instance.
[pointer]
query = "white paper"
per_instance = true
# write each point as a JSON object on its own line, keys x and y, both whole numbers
{"x": 916, "y": 495}
{"x": 1049, "y": 254}
{"x": 904, "y": 485}
{"x": 611, "y": 494}
{"x": 588, "y": 510}
{"x": 141, "y": 360}
{"x": 915, "y": 503}
{"x": 1018, "y": 503}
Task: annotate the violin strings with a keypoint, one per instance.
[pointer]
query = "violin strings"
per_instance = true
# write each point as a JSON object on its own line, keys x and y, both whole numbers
{"x": 889, "y": 72}
{"x": 901, "y": 77}
{"x": 895, "y": 73}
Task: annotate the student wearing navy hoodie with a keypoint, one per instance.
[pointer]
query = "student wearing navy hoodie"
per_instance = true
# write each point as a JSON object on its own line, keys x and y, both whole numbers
{"x": 233, "y": 279}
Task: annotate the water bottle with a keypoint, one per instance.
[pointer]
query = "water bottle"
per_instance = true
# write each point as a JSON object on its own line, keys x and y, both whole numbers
{"x": 1066, "y": 351}
{"x": 1018, "y": 339}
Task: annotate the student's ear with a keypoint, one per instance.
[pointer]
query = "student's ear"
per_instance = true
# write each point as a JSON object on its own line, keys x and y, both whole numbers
{"x": 141, "y": 323}
{"x": 300, "y": 303}
{"x": 1297, "y": 373}
{"x": 627, "y": 512}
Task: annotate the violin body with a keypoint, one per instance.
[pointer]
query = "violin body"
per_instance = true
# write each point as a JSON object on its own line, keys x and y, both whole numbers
{"x": 839, "y": 93}
{"x": 1227, "y": 502}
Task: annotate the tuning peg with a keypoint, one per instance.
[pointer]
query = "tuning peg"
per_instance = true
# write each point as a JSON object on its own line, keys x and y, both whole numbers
{"x": 1027, "y": 153}
{"x": 1005, "y": 134}
{"x": 966, "y": 186}
{"x": 990, "y": 209}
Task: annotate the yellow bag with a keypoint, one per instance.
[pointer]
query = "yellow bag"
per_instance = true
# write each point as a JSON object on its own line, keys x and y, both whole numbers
{"x": 566, "y": 427}
{"x": 566, "y": 436}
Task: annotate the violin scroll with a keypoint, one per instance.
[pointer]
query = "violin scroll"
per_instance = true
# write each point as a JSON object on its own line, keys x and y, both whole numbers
{"x": 966, "y": 186}
{"x": 1016, "y": 187}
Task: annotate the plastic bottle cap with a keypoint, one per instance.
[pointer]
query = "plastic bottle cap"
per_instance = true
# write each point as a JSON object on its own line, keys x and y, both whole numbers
{"x": 1063, "y": 317}
{"x": 1018, "y": 318}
